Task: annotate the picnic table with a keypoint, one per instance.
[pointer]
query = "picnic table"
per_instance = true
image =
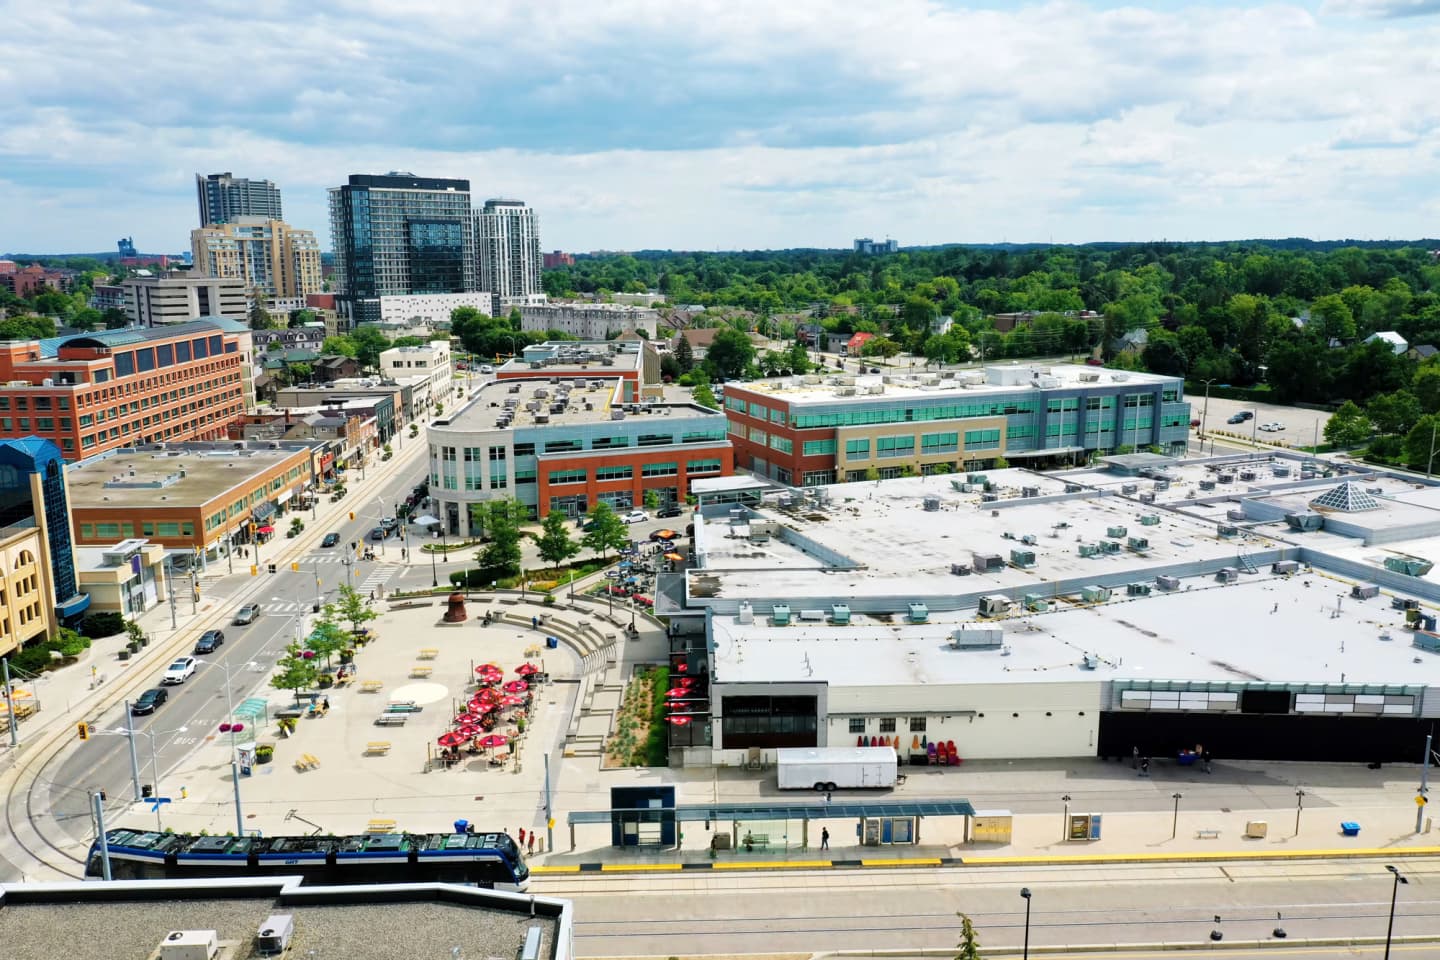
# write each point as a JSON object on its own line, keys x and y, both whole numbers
{"x": 378, "y": 747}
{"x": 371, "y": 686}
{"x": 391, "y": 719}
{"x": 380, "y": 826}
{"x": 429, "y": 653}
{"x": 420, "y": 671}
{"x": 403, "y": 706}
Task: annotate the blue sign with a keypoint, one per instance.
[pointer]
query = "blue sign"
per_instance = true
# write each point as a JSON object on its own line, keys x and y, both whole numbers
{"x": 155, "y": 803}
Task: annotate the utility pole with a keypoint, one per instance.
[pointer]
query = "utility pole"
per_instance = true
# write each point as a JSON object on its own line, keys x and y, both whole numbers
{"x": 9, "y": 703}
{"x": 549, "y": 816}
{"x": 97, "y": 801}
{"x": 1423, "y": 798}
{"x": 134, "y": 761}
{"x": 170, "y": 587}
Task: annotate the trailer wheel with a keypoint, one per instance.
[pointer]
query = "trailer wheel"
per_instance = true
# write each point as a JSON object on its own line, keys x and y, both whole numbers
{"x": 829, "y": 787}
{"x": 819, "y": 788}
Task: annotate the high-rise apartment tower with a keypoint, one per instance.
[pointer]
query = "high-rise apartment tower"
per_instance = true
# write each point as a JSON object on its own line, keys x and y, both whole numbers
{"x": 224, "y": 198}
{"x": 508, "y": 238}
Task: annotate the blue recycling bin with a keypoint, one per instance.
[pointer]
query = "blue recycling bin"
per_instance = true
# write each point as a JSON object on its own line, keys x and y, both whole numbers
{"x": 552, "y": 643}
{"x": 461, "y": 826}
{"x": 1350, "y": 828}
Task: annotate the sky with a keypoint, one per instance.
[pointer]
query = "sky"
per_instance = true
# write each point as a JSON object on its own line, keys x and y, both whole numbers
{"x": 734, "y": 124}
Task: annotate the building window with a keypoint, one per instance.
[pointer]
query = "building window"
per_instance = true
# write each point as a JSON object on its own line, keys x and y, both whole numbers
{"x": 887, "y": 724}
{"x": 660, "y": 470}
{"x": 982, "y": 439}
{"x": 917, "y": 724}
{"x": 703, "y": 466}
{"x": 817, "y": 448}
{"x": 783, "y": 444}
{"x": 614, "y": 473}
{"x": 567, "y": 476}
{"x": 857, "y": 449}
{"x": 939, "y": 443}
{"x": 857, "y": 724}
{"x": 758, "y": 436}
{"x": 817, "y": 478}
{"x": 895, "y": 446}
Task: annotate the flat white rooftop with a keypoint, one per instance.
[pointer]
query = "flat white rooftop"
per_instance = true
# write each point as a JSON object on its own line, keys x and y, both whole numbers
{"x": 1300, "y": 629}
{"x": 996, "y": 378}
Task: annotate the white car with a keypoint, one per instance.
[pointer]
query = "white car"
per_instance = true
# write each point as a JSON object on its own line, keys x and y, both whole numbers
{"x": 636, "y": 516}
{"x": 179, "y": 671}
{"x": 486, "y": 368}
{"x": 1274, "y": 426}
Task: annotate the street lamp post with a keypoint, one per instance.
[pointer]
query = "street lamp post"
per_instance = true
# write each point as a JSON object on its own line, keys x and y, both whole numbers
{"x": 129, "y": 732}
{"x": 1025, "y": 951}
{"x": 1299, "y": 805}
{"x": 234, "y": 749}
{"x": 1205, "y": 412}
{"x": 1175, "y": 823}
{"x": 434, "y": 576}
{"x": 1394, "y": 892}
{"x": 1065, "y": 819}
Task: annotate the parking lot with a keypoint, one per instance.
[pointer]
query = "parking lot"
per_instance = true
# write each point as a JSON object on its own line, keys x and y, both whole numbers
{"x": 1301, "y": 426}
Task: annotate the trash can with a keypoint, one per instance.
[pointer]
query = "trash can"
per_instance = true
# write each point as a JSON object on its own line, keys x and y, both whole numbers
{"x": 1350, "y": 828}
{"x": 461, "y": 825}
{"x": 552, "y": 643}
{"x": 146, "y": 790}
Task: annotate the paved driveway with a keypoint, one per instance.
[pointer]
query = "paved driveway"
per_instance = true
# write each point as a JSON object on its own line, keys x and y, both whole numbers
{"x": 1301, "y": 426}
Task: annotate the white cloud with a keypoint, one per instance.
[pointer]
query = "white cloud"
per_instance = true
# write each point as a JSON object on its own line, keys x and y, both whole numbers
{"x": 730, "y": 123}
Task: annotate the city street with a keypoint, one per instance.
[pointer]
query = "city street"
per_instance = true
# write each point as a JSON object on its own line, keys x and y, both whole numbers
{"x": 895, "y": 910}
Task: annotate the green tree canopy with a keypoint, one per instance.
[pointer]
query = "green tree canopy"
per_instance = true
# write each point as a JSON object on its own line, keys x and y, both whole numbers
{"x": 1348, "y": 426}
{"x": 730, "y": 354}
{"x": 607, "y": 531}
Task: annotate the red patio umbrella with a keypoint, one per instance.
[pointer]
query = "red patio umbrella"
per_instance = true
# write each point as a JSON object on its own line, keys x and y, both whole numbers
{"x": 688, "y": 682}
{"x": 677, "y": 692}
{"x": 479, "y": 709}
{"x": 468, "y": 730}
{"x": 516, "y": 686}
{"x": 678, "y": 721}
{"x": 451, "y": 739}
{"x": 527, "y": 669}
{"x": 512, "y": 701}
{"x": 493, "y": 740}
{"x": 463, "y": 718}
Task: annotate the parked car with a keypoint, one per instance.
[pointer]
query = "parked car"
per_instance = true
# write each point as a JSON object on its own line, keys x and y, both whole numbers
{"x": 669, "y": 510}
{"x": 209, "y": 642}
{"x": 389, "y": 524}
{"x": 1240, "y": 417}
{"x": 486, "y": 368}
{"x": 378, "y": 533}
{"x": 149, "y": 700}
{"x": 636, "y": 516}
{"x": 1194, "y": 423}
{"x": 1094, "y": 362}
{"x": 330, "y": 540}
{"x": 179, "y": 671}
{"x": 1274, "y": 426}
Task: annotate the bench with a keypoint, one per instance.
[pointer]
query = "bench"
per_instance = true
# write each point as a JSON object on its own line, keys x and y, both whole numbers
{"x": 307, "y": 761}
{"x": 429, "y": 653}
{"x": 753, "y": 840}
{"x": 421, "y": 672}
{"x": 380, "y": 826}
{"x": 371, "y": 686}
{"x": 378, "y": 746}
{"x": 1208, "y": 833}
{"x": 403, "y": 706}
{"x": 391, "y": 719}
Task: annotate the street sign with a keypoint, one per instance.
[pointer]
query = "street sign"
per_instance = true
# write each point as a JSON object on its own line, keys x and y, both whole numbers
{"x": 1420, "y": 801}
{"x": 155, "y": 803}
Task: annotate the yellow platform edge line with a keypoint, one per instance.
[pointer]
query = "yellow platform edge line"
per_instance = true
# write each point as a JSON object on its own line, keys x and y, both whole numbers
{"x": 1203, "y": 855}
{"x": 556, "y": 869}
{"x": 639, "y": 867}
{"x": 784, "y": 865}
{"x": 912, "y": 862}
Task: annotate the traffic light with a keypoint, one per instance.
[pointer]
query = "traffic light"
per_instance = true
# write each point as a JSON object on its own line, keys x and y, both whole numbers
{"x": 352, "y": 514}
{"x": 254, "y": 570}
{"x": 294, "y": 566}
{"x": 83, "y": 730}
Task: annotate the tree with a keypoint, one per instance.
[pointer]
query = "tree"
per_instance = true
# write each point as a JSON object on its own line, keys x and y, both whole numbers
{"x": 298, "y": 318}
{"x": 369, "y": 342}
{"x": 969, "y": 945}
{"x": 352, "y": 608}
{"x": 730, "y": 353}
{"x": 294, "y": 671}
{"x": 27, "y": 328}
{"x": 607, "y": 531}
{"x": 502, "y": 529}
{"x": 260, "y": 318}
{"x": 1333, "y": 318}
{"x": 684, "y": 354}
{"x": 554, "y": 543}
{"x": 1393, "y": 412}
{"x": 87, "y": 318}
{"x": 1427, "y": 388}
{"x": 879, "y": 347}
{"x": 114, "y": 318}
{"x": 704, "y": 396}
{"x": 339, "y": 344}
{"x": 669, "y": 367}
{"x": 1347, "y": 426}
{"x": 1421, "y": 442}
{"x": 326, "y": 636}
{"x": 1162, "y": 354}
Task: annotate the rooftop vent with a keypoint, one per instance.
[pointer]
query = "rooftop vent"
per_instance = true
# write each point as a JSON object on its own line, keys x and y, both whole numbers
{"x": 189, "y": 945}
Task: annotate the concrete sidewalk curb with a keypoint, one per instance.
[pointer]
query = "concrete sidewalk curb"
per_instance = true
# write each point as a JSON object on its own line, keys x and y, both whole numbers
{"x": 612, "y": 869}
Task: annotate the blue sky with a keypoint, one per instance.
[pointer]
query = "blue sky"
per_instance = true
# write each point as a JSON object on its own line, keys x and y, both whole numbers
{"x": 704, "y": 124}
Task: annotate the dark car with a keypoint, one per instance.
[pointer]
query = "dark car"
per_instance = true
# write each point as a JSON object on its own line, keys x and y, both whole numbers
{"x": 209, "y": 642}
{"x": 330, "y": 540}
{"x": 669, "y": 510}
{"x": 1240, "y": 417}
{"x": 377, "y": 533}
{"x": 149, "y": 701}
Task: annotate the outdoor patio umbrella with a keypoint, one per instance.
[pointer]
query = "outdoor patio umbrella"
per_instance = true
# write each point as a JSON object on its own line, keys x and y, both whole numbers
{"x": 674, "y": 557}
{"x": 451, "y": 739}
{"x": 688, "y": 682}
{"x": 484, "y": 696}
{"x": 468, "y": 730}
{"x": 479, "y": 709}
{"x": 678, "y": 721}
{"x": 489, "y": 668}
{"x": 677, "y": 692}
{"x": 512, "y": 701}
{"x": 527, "y": 669}
{"x": 516, "y": 686}
{"x": 464, "y": 718}
{"x": 491, "y": 740}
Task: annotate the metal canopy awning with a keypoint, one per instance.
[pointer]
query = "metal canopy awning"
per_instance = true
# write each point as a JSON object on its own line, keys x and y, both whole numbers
{"x": 815, "y": 810}
{"x": 1047, "y": 452}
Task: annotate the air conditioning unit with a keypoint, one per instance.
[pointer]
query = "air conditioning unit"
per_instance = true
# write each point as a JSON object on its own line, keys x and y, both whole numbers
{"x": 189, "y": 945}
{"x": 274, "y": 935}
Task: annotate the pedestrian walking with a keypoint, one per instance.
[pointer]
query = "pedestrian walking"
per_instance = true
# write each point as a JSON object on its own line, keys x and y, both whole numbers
{"x": 1205, "y": 760}
{"x": 522, "y": 836}
{"x": 1144, "y": 766}
{"x": 824, "y": 838}
{"x": 1134, "y": 758}
{"x": 530, "y": 843}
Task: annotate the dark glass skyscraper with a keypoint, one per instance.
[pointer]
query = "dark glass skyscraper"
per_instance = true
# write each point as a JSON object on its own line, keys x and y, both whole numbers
{"x": 400, "y": 234}
{"x": 32, "y": 494}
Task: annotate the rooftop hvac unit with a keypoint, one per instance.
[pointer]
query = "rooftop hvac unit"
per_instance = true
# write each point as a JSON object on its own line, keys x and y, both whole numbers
{"x": 780, "y": 615}
{"x": 1305, "y": 522}
{"x": 1115, "y": 532}
{"x": 959, "y": 486}
{"x": 985, "y": 562}
{"x": 1094, "y": 594}
{"x": 1226, "y": 478}
{"x": 1404, "y": 603}
{"x": 995, "y": 605}
{"x": 845, "y": 391}
{"x": 189, "y": 945}
{"x": 1089, "y": 549}
{"x": 1207, "y": 484}
{"x": 977, "y": 638}
{"x": 1167, "y": 583}
{"x": 1036, "y": 603}
{"x": 1129, "y": 488}
{"x": 918, "y": 613}
{"x": 617, "y": 414}
{"x": 1235, "y": 513}
{"x": 1138, "y": 544}
{"x": 1029, "y": 539}
{"x": 1280, "y": 471}
{"x": 812, "y": 616}
{"x": 746, "y": 613}
{"x": 1072, "y": 488}
{"x": 932, "y": 504}
{"x": 978, "y": 478}
{"x": 1137, "y": 589}
{"x": 1089, "y": 377}
{"x": 1029, "y": 491}
{"x": 989, "y": 497}
{"x": 1247, "y": 474}
{"x": 1410, "y": 566}
{"x": 1148, "y": 496}
{"x": 1285, "y": 567}
{"x": 840, "y": 614}
{"x": 960, "y": 569}
{"x": 1364, "y": 591}
{"x": 1227, "y": 575}
{"x": 1110, "y": 546}
{"x": 1162, "y": 484}
{"x": 275, "y": 933}
{"x": 1024, "y": 559}
{"x": 1089, "y": 662}
{"x": 1149, "y": 519}
{"x": 542, "y": 418}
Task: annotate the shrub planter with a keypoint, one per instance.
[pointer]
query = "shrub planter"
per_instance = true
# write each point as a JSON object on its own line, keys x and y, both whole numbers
{"x": 264, "y": 752}
{"x": 124, "y": 654}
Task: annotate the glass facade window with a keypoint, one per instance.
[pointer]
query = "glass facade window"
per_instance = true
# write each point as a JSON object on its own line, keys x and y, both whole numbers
{"x": 777, "y": 416}
{"x": 903, "y": 446}
{"x": 660, "y": 470}
{"x": 857, "y": 449}
{"x": 939, "y": 443}
{"x": 783, "y": 444}
{"x": 857, "y": 724}
{"x": 817, "y": 448}
{"x": 758, "y": 410}
{"x": 758, "y": 436}
{"x": 703, "y": 436}
{"x": 614, "y": 473}
{"x": 567, "y": 476}
{"x": 982, "y": 439}
{"x": 703, "y": 466}
{"x": 817, "y": 478}
{"x": 768, "y": 721}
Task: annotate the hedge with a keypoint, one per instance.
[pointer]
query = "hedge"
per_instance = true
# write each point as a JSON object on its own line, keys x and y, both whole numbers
{"x": 99, "y": 625}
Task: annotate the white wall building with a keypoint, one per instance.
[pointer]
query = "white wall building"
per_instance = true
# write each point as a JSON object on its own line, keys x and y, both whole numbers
{"x": 589, "y": 321}
{"x": 507, "y": 241}
{"x": 157, "y": 300}
{"x": 427, "y": 368}
{"x": 431, "y": 308}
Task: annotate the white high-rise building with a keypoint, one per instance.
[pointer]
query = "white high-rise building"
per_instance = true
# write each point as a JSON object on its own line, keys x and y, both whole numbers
{"x": 507, "y": 239}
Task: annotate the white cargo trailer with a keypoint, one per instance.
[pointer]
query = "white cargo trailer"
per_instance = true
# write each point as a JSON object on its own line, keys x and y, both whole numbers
{"x": 836, "y": 768}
